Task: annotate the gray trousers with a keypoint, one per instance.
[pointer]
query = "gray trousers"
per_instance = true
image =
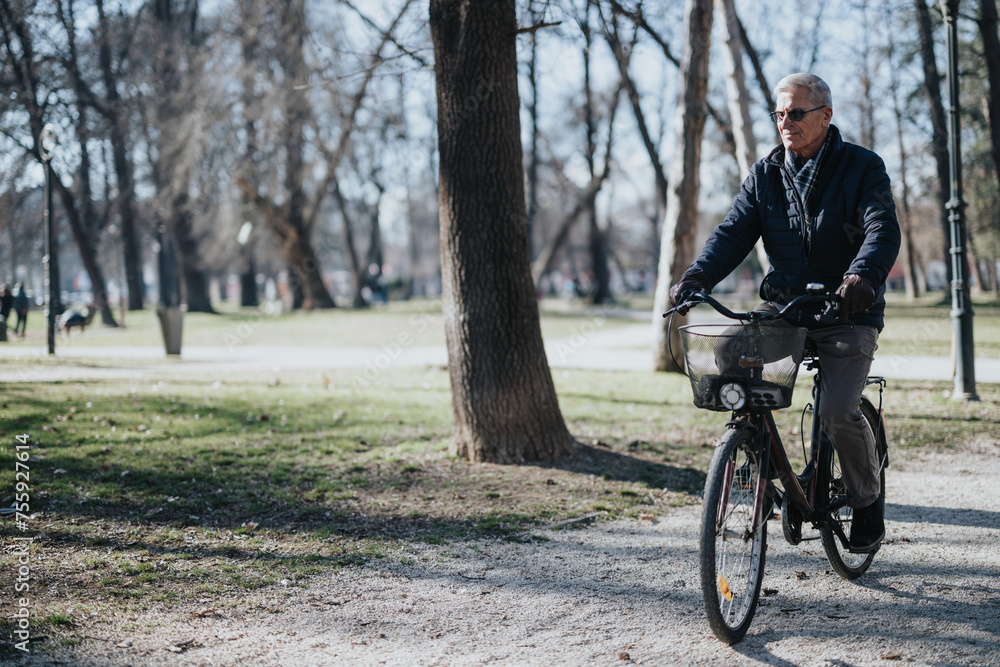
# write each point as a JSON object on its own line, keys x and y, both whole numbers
{"x": 845, "y": 355}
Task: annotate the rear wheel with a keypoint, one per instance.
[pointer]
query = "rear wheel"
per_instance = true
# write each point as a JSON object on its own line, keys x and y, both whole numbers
{"x": 847, "y": 564}
{"x": 732, "y": 547}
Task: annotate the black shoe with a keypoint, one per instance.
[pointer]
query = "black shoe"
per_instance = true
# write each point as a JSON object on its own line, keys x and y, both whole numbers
{"x": 868, "y": 527}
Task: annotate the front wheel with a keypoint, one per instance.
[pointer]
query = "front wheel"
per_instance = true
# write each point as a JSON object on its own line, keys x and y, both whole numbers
{"x": 846, "y": 563}
{"x": 733, "y": 535}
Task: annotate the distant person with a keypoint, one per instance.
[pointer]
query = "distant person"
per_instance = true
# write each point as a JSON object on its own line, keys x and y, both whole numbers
{"x": 21, "y": 308}
{"x": 825, "y": 212}
{"x": 6, "y": 303}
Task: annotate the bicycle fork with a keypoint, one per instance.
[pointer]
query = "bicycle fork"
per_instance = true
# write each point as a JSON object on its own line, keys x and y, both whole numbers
{"x": 760, "y": 488}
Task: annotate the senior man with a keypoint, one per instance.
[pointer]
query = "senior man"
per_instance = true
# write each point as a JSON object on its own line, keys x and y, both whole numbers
{"x": 825, "y": 212}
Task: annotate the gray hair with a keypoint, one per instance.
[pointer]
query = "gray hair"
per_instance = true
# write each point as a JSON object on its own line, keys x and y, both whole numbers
{"x": 819, "y": 91}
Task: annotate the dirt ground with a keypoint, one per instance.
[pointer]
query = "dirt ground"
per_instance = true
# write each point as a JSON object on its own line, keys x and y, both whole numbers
{"x": 623, "y": 592}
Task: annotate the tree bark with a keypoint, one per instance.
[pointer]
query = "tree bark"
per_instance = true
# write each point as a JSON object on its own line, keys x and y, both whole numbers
{"x": 939, "y": 144}
{"x": 681, "y": 223}
{"x": 503, "y": 398}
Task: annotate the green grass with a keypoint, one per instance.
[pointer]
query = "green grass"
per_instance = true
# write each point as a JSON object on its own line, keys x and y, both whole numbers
{"x": 416, "y": 322}
{"x": 924, "y": 328}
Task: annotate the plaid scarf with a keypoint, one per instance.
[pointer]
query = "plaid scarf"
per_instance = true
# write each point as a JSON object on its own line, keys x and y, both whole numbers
{"x": 804, "y": 173}
{"x": 804, "y": 177}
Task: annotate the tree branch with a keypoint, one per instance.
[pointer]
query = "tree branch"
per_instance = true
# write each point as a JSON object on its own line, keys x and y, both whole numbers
{"x": 538, "y": 26}
{"x": 394, "y": 41}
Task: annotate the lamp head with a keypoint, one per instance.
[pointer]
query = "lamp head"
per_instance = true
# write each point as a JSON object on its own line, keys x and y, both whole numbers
{"x": 48, "y": 141}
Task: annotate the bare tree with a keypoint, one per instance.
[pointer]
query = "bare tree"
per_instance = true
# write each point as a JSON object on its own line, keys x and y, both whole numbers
{"x": 503, "y": 398}
{"x": 177, "y": 71}
{"x": 939, "y": 140}
{"x": 745, "y": 143}
{"x": 908, "y": 250}
{"x": 114, "y": 112}
{"x": 33, "y": 79}
{"x": 681, "y": 223}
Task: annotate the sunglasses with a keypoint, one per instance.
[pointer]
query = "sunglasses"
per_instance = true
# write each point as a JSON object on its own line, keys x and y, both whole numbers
{"x": 794, "y": 114}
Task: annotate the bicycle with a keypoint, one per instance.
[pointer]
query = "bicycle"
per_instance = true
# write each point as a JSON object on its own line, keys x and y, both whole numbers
{"x": 750, "y": 369}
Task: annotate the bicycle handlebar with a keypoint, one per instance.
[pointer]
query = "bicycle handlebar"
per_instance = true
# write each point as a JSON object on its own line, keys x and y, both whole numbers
{"x": 830, "y": 314}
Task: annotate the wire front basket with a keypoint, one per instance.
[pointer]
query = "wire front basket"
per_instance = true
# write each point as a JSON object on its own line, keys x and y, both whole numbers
{"x": 734, "y": 366}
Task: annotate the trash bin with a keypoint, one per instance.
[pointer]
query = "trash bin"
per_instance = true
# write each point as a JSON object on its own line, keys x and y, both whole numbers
{"x": 172, "y": 326}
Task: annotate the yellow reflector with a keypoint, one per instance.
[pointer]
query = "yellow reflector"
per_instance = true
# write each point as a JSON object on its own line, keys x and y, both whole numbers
{"x": 724, "y": 587}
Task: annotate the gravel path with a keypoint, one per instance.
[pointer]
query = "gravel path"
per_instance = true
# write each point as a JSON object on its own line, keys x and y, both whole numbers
{"x": 627, "y": 593}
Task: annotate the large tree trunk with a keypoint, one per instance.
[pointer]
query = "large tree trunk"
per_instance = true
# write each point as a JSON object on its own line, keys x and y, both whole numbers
{"x": 939, "y": 144}
{"x": 503, "y": 398}
{"x": 681, "y": 223}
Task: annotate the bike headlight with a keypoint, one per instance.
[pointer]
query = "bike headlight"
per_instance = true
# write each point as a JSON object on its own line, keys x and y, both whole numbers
{"x": 733, "y": 396}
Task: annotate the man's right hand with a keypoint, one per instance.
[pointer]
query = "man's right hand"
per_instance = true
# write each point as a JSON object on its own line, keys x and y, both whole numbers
{"x": 695, "y": 281}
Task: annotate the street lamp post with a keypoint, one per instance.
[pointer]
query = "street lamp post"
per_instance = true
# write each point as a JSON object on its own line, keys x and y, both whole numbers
{"x": 46, "y": 144}
{"x": 961, "y": 302}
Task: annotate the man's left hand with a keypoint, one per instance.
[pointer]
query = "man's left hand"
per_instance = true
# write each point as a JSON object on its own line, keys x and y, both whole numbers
{"x": 856, "y": 294}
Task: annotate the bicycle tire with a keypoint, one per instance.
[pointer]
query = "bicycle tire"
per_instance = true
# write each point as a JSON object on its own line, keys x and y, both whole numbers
{"x": 731, "y": 554}
{"x": 846, "y": 563}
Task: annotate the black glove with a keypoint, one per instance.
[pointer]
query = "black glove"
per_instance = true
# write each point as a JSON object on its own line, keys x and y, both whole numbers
{"x": 856, "y": 294}
{"x": 696, "y": 281}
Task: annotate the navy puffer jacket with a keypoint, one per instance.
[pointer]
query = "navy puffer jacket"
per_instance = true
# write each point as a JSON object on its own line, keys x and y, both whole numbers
{"x": 851, "y": 227}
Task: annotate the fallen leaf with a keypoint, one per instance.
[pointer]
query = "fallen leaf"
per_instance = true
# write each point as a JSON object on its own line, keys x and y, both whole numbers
{"x": 623, "y": 655}
{"x": 205, "y": 612}
{"x": 800, "y": 575}
{"x": 124, "y": 644}
{"x": 891, "y": 656}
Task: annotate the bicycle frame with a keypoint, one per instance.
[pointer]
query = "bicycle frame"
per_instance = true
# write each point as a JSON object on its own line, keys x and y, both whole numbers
{"x": 774, "y": 459}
